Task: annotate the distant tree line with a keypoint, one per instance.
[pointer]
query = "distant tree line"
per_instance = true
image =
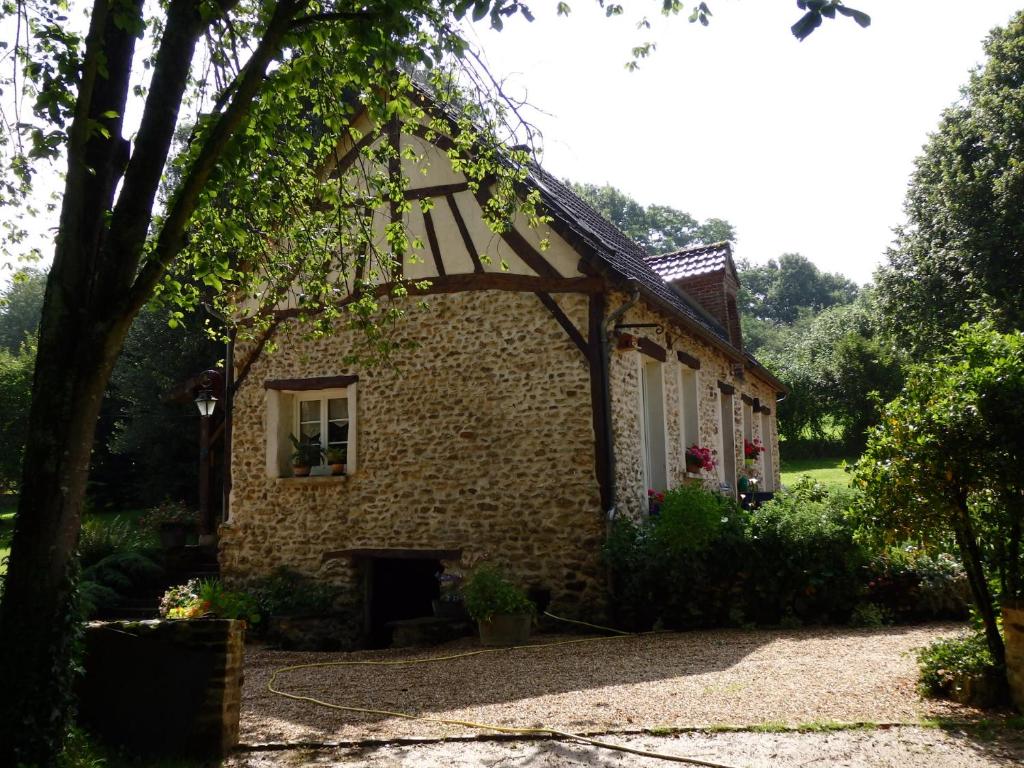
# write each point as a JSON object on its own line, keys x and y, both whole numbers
{"x": 146, "y": 446}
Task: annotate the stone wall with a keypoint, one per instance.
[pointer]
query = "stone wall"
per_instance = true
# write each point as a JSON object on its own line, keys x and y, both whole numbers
{"x": 166, "y": 688}
{"x": 479, "y": 438}
{"x": 631, "y": 493}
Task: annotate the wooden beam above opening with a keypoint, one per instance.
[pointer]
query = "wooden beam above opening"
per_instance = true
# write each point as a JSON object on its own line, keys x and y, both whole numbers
{"x": 306, "y": 385}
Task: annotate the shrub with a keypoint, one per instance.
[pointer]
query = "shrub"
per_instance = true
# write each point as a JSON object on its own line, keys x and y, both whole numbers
{"x": 804, "y": 560}
{"x": 914, "y": 584}
{"x": 488, "y": 592}
{"x": 941, "y": 663}
{"x": 678, "y": 569}
{"x": 287, "y": 592}
{"x": 100, "y": 538}
{"x": 105, "y": 583}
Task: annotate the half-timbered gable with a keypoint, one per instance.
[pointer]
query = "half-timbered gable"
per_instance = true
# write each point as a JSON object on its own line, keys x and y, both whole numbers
{"x": 551, "y": 378}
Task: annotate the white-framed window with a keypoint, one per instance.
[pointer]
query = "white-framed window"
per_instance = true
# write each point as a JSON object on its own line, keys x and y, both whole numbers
{"x": 689, "y": 433}
{"x": 313, "y": 411}
{"x": 652, "y": 426}
{"x": 321, "y": 418}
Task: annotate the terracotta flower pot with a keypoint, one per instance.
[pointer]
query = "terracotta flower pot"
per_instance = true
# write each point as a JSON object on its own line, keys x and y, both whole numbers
{"x": 337, "y": 469}
{"x": 300, "y": 471}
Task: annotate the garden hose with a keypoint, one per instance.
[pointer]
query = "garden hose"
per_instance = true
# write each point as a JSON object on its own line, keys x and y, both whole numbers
{"x": 483, "y": 726}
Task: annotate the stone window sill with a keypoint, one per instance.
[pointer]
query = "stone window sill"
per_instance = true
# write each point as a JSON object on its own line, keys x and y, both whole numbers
{"x": 324, "y": 480}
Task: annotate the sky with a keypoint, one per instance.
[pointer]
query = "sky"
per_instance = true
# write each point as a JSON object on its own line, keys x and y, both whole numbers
{"x": 804, "y": 147}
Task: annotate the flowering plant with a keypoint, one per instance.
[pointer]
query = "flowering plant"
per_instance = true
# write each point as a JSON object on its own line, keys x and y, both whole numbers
{"x": 705, "y": 457}
{"x": 654, "y": 501}
{"x": 451, "y": 585}
{"x": 752, "y": 450}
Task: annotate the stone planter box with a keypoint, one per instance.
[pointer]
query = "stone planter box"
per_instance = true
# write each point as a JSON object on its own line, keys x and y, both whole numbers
{"x": 164, "y": 688}
{"x": 1013, "y": 636}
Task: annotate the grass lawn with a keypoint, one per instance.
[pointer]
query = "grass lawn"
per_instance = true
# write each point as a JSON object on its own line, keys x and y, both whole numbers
{"x": 7, "y": 505}
{"x": 825, "y": 471}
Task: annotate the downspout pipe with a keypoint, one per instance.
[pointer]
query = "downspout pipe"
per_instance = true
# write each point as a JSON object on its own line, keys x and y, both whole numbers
{"x": 605, "y": 348}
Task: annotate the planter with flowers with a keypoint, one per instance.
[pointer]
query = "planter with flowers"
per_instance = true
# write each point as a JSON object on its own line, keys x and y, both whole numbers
{"x": 698, "y": 458}
{"x": 751, "y": 450}
{"x": 654, "y": 501}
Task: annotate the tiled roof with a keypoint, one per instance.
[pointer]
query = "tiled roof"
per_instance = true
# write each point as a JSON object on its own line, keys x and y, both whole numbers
{"x": 692, "y": 261}
{"x": 618, "y": 251}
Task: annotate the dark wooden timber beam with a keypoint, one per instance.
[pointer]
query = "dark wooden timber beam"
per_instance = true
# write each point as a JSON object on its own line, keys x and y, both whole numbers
{"x": 419, "y": 193}
{"x": 307, "y": 385}
{"x": 564, "y": 321}
{"x": 727, "y": 389}
{"x": 435, "y": 249}
{"x": 651, "y": 349}
{"x": 345, "y": 161}
{"x": 531, "y": 256}
{"x": 747, "y": 400}
{"x": 598, "y": 387}
{"x": 464, "y": 231}
{"x": 688, "y": 360}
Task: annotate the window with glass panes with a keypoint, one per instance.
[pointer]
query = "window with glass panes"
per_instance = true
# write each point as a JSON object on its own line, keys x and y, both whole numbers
{"x": 324, "y": 421}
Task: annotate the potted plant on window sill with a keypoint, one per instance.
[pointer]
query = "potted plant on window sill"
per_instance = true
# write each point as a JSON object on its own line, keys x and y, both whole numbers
{"x": 336, "y": 460}
{"x": 502, "y": 610}
{"x": 305, "y": 456}
{"x": 698, "y": 458}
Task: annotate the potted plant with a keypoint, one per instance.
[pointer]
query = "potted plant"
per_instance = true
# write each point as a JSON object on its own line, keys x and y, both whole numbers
{"x": 305, "y": 456}
{"x": 502, "y": 610}
{"x": 336, "y": 459}
{"x": 698, "y": 458}
{"x": 172, "y": 521}
{"x": 751, "y": 450}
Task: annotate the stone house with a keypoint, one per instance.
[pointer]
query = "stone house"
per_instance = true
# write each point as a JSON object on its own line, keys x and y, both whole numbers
{"x": 547, "y": 389}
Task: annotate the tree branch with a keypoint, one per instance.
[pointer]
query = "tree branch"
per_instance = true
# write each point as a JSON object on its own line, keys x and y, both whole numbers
{"x": 171, "y": 237}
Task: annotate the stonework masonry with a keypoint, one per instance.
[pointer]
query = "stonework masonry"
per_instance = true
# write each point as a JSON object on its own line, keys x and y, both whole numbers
{"x": 479, "y": 438}
{"x": 631, "y": 493}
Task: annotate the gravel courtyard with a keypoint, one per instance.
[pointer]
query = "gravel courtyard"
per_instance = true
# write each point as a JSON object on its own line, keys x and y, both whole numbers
{"x": 625, "y": 684}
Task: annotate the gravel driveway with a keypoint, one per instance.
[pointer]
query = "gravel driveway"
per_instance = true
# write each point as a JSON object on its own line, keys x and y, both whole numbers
{"x": 673, "y": 680}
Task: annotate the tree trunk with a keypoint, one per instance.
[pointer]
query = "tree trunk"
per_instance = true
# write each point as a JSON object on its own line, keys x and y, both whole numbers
{"x": 94, "y": 290}
{"x": 971, "y": 555}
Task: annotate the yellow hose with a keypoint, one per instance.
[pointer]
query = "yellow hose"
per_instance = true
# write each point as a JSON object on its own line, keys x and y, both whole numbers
{"x": 482, "y": 726}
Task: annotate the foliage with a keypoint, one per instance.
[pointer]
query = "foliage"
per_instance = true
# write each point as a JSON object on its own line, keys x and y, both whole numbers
{"x": 306, "y": 454}
{"x": 804, "y": 560}
{"x": 942, "y": 662}
{"x": 913, "y": 584}
{"x": 203, "y": 597}
{"x": 781, "y": 291}
{"x": 838, "y": 367}
{"x": 108, "y": 580}
{"x": 945, "y": 460}
{"x": 705, "y": 562}
{"x": 870, "y": 615}
{"x": 957, "y": 259}
{"x": 165, "y": 513}
{"x": 16, "y": 371}
{"x": 100, "y": 538}
{"x": 656, "y": 228}
{"x": 286, "y": 592}
{"x": 20, "y": 304}
{"x": 487, "y": 591}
